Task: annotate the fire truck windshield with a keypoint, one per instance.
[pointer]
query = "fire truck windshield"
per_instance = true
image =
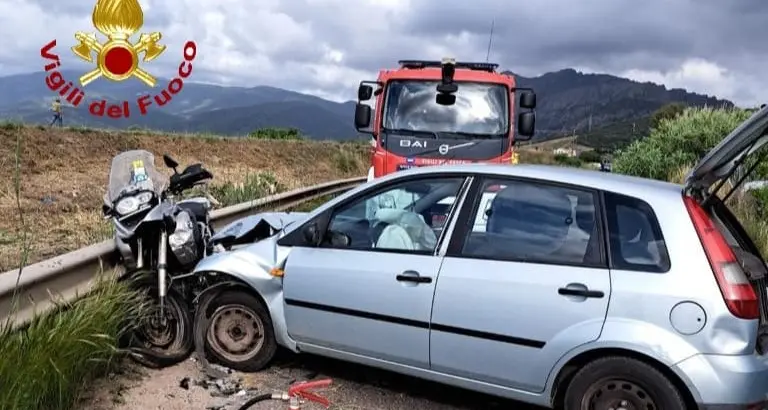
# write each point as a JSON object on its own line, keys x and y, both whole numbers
{"x": 481, "y": 109}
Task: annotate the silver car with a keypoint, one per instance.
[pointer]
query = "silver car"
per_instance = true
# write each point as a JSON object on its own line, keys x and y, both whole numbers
{"x": 560, "y": 287}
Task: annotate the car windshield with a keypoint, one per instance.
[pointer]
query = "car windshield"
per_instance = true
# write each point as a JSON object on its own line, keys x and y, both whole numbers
{"x": 480, "y": 108}
{"x": 131, "y": 171}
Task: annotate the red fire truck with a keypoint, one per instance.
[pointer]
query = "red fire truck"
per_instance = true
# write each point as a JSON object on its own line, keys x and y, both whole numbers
{"x": 443, "y": 112}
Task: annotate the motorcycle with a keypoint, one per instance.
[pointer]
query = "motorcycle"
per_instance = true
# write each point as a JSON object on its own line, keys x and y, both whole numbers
{"x": 160, "y": 238}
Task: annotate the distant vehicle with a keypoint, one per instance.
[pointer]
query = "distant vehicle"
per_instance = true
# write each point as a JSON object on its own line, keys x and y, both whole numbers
{"x": 605, "y": 165}
{"x": 581, "y": 290}
{"x": 434, "y": 113}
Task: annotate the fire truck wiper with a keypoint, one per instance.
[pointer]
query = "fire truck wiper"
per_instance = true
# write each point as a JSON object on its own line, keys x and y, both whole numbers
{"x": 414, "y": 133}
{"x": 445, "y": 151}
{"x": 472, "y": 135}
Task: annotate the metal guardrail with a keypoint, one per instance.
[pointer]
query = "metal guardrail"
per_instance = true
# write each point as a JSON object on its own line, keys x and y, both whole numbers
{"x": 62, "y": 279}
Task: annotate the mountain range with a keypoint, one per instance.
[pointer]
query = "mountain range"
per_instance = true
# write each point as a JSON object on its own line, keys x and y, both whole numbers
{"x": 568, "y": 101}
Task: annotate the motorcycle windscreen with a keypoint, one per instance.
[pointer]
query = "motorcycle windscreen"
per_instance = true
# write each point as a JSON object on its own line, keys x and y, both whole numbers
{"x": 133, "y": 171}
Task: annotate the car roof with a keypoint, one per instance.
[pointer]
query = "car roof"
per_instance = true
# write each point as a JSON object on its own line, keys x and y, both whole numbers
{"x": 623, "y": 184}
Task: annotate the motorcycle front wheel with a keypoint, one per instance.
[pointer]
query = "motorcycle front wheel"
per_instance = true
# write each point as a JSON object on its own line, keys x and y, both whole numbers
{"x": 165, "y": 336}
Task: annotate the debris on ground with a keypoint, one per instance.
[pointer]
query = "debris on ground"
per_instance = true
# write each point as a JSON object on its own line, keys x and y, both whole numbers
{"x": 354, "y": 387}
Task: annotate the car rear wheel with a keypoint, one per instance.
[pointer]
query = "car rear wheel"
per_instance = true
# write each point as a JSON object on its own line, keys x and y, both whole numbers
{"x": 240, "y": 333}
{"x": 621, "y": 383}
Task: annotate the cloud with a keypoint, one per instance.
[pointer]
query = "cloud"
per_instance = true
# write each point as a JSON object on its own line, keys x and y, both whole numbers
{"x": 327, "y": 46}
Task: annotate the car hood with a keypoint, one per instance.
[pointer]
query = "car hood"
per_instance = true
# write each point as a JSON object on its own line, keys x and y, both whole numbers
{"x": 256, "y": 227}
{"x": 746, "y": 139}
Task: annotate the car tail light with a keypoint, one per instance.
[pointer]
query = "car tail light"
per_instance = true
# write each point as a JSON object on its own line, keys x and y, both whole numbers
{"x": 738, "y": 293}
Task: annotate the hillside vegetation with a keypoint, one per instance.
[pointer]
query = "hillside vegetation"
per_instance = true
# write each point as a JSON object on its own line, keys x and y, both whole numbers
{"x": 63, "y": 177}
{"x": 568, "y": 100}
{"x": 677, "y": 143}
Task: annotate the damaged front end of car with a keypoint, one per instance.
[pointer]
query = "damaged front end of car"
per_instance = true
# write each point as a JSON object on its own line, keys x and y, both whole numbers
{"x": 246, "y": 256}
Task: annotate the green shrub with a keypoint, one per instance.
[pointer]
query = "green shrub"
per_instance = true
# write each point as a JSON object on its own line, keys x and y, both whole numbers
{"x": 760, "y": 196}
{"x": 276, "y": 134}
{"x": 567, "y": 161}
{"x": 253, "y": 187}
{"x": 590, "y": 156}
{"x": 49, "y": 364}
{"x": 678, "y": 141}
{"x": 666, "y": 112}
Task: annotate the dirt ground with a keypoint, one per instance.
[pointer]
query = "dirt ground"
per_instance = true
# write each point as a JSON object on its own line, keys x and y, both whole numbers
{"x": 354, "y": 388}
{"x": 64, "y": 175}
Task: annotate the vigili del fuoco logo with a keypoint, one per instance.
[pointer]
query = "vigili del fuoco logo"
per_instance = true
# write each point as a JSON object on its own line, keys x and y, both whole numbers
{"x": 117, "y": 59}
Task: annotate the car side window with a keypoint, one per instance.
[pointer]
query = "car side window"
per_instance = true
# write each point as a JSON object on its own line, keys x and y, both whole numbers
{"x": 534, "y": 222}
{"x": 407, "y": 217}
{"x": 635, "y": 235}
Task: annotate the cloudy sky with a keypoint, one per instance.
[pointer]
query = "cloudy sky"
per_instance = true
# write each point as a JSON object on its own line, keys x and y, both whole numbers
{"x": 325, "y": 47}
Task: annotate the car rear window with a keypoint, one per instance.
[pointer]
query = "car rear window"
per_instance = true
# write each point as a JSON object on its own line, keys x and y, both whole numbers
{"x": 635, "y": 237}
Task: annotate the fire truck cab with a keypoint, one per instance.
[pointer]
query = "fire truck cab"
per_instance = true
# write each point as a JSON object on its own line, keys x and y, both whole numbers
{"x": 443, "y": 112}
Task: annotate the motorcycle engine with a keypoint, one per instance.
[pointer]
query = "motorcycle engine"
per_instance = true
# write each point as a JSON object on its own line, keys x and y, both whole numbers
{"x": 184, "y": 239}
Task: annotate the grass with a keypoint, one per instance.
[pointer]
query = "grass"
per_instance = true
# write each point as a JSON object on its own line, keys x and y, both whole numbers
{"x": 254, "y": 186}
{"x": 52, "y": 362}
{"x": 49, "y": 363}
{"x": 310, "y": 206}
{"x": 744, "y": 206}
{"x": 65, "y": 174}
{"x": 347, "y": 161}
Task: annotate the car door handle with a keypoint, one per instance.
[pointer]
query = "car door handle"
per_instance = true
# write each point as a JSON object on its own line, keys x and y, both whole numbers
{"x": 583, "y": 292}
{"x": 413, "y": 277}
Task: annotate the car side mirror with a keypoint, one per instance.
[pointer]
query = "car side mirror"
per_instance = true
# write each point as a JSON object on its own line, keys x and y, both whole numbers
{"x": 362, "y": 116}
{"x": 528, "y": 100}
{"x": 311, "y": 234}
{"x": 526, "y": 125}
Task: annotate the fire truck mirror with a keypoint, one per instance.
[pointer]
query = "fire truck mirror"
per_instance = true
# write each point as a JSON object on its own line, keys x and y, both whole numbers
{"x": 526, "y": 125}
{"x": 362, "y": 116}
{"x": 364, "y": 92}
{"x": 528, "y": 100}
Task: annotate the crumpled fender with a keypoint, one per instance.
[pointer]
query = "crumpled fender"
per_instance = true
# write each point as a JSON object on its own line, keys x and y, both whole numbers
{"x": 252, "y": 265}
{"x": 256, "y": 227}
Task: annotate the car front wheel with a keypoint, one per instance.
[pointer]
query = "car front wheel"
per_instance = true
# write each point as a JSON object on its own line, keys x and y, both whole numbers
{"x": 239, "y": 334}
{"x": 621, "y": 383}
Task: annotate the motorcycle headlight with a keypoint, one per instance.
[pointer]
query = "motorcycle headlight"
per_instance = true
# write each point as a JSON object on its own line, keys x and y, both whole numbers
{"x": 127, "y": 205}
{"x": 144, "y": 197}
{"x": 131, "y": 204}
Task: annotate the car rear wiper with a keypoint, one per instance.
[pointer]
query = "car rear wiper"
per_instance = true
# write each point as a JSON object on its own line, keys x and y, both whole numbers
{"x": 406, "y": 131}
